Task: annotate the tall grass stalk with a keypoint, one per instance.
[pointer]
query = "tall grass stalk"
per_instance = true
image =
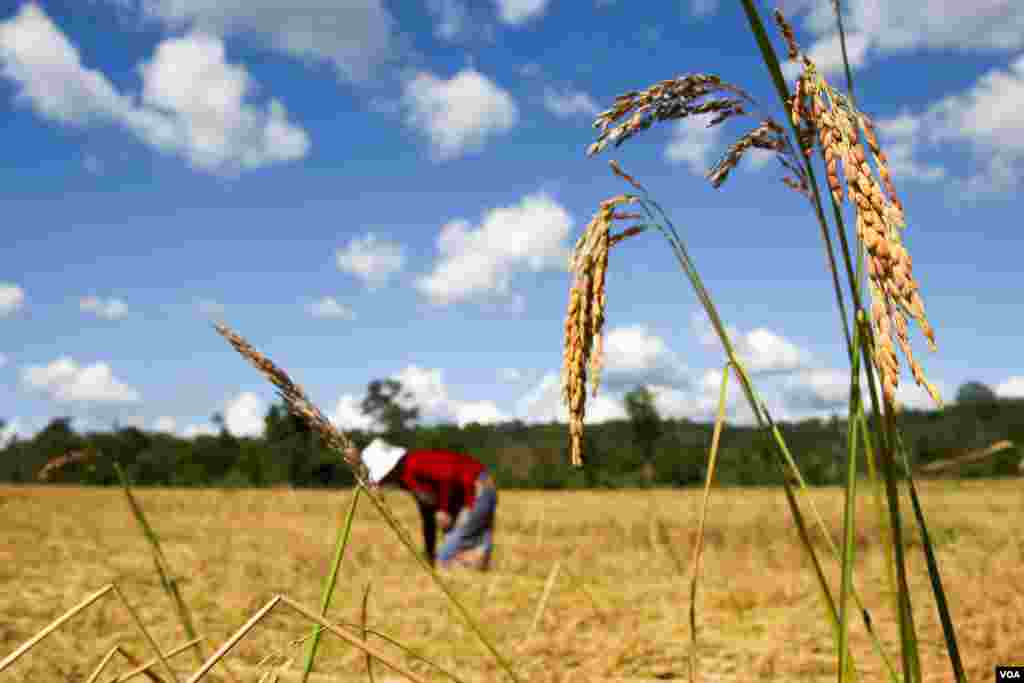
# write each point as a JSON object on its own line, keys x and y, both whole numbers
{"x": 344, "y": 532}
{"x": 699, "y": 547}
{"x": 163, "y": 570}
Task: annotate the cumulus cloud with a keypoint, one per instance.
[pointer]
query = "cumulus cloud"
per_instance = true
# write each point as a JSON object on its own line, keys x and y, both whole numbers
{"x": 204, "y": 429}
{"x": 244, "y": 414}
{"x": 11, "y": 430}
{"x": 823, "y": 391}
{"x": 328, "y": 307}
{"x": 110, "y": 309}
{"x": 428, "y": 391}
{"x": 12, "y": 298}
{"x": 692, "y": 144}
{"x": 480, "y": 260}
{"x": 458, "y": 115}
{"x": 876, "y": 29}
{"x": 543, "y": 403}
{"x": 634, "y": 355}
{"x": 347, "y": 414}
{"x": 1013, "y": 387}
{"x": 761, "y": 350}
{"x": 987, "y": 119}
{"x": 165, "y": 424}
{"x": 516, "y": 12}
{"x": 193, "y": 102}
{"x": 65, "y": 381}
{"x": 354, "y": 37}
{"x": 569, "y": 103}
{"x": 371, "y": 259}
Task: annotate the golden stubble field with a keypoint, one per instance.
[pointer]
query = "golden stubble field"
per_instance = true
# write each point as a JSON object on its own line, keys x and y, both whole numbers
{"x": 759, "y": 615}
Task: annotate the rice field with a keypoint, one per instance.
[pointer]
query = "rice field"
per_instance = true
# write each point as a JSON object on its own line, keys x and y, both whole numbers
{"x": 617, "y": 563}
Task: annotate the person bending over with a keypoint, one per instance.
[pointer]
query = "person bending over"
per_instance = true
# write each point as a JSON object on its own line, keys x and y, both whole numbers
{"x": 453, "y": 491}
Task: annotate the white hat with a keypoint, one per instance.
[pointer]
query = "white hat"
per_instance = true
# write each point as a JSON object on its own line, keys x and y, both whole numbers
{"x": 380, "y": 458}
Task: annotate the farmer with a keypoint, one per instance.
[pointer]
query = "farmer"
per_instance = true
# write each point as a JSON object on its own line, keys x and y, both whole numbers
{"x": 453, "y": 491}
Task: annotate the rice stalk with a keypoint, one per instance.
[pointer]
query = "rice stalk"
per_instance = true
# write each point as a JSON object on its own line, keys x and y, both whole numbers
{"x": 143, "y": 668}
{"x": 699, "y": 547}
{"x": 167, "y": 579}
{"x": 53, "y": 626}
{"x": 331, "y": 580}
{"x": 548, "y": 586}
{"x": 364, "y": 632}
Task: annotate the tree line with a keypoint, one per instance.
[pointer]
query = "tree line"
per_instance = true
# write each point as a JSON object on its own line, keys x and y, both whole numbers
{"x": 643, "y": 450}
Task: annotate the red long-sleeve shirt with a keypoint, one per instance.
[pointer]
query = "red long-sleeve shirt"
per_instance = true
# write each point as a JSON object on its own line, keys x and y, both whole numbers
{"x": 446, "y": 477}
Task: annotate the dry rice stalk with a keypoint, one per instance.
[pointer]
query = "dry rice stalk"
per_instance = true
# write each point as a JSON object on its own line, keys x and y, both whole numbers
{"x": 297, "y": 401}
{"x": 879, "y": 217}
{"x": 584, "y": 319}
{"x": 684, "y": 97}
{"x": 61, "y": 461}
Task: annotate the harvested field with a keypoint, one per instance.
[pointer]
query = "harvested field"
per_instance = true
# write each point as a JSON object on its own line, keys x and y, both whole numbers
{"x": 617, "y": 610}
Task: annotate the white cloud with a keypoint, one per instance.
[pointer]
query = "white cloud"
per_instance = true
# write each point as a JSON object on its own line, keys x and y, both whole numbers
{"x": 209, "y": 307}
{"x": 354, "y": 36}
{"x": 428, "y": 392}
{"x": 508, "y": 375}
{"x": 193, "y": 103}
{"x": 569, "y": 103}
{"x": 12, "y": 298}
{"x": 517, "y": 12}
{"x": 243, "y": 414}
{"x": 480, "y": 260}
{"x": 371, "y": 259}
{"x": 481, "y": 412}
{"x": 875, "y": 28}
{"x": 692, "y": 144}
{"x": 459, "y": 114}
{"x": 825, "y": 391}
{"x": 205, "y": 429}
{"x": 543, "y": 403}
{"x": 451, "y": 16}
{"x": 347, "y": 414}
{"x": 11, "y": 430}
{"x": 64, "y": 380}
{"x": 165, "y": 424}
{"x": 987, "y": 118}
{"x": 328, "y": 307}
{"x": 111, "y": 309}
{"x": 760, "y": 349}
{"x": 633, "y": 355}
{"x": 1013, "y": 387}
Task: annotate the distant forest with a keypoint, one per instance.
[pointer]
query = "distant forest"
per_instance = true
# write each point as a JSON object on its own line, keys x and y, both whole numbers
{"x": 644, "y": 450}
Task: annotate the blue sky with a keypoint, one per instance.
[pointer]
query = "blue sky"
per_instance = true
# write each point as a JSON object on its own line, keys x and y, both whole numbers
{"x": 380, "y": 189}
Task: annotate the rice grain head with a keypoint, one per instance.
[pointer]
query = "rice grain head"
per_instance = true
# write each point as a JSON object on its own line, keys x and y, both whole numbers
{"x": 297, "y": 401}
{"x": 895, "y": 294}
{"x": 585, "y": 316}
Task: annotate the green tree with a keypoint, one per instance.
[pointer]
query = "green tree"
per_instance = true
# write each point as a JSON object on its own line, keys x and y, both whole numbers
{"x": 646, "y": 423}
{"x": 975, "y": 392}
{"x": 390, "y": 406}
